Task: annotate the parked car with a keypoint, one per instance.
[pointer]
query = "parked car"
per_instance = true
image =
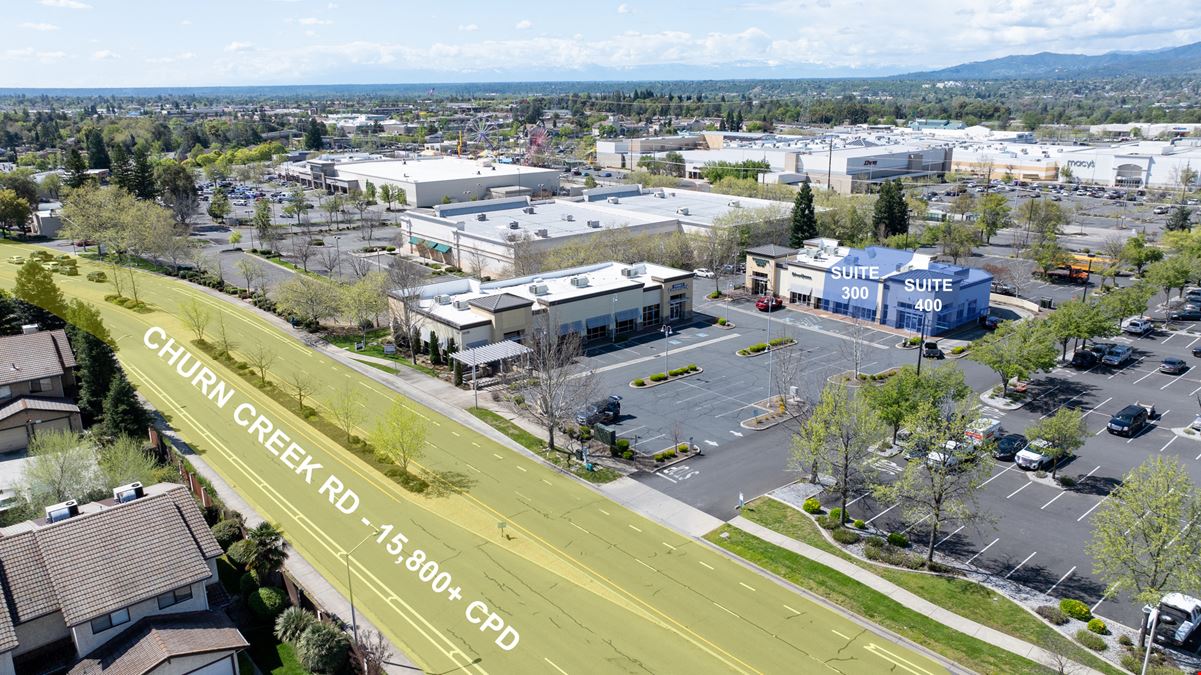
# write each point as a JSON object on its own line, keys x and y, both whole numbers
{"x": 1159, "y": 210}
{"x": 1083, "y": 359}
{"x": 1009, "y": 445}
{"x": 1179, "y": 620}
{"x": 1186, "y": 313}
{"x": 1173, "y": 365}
{"x": 702, "y": 273}
{"x": 605, "y": 411}
{"x": 769, "y": 303}
{"x": 930, "y": 350}
{"x": 1118, "y": 356}
{"x": 948, "y": 457}
{"x": 1137, "y": 326}
{"x": 990, "y": 322}
{"x": 16, "y": 260}
{"x": 1002, "y": 288}
{"x": 1195, "y": 425}
{"x": 1197, "y": 351}
{"x": 1129, "y": 421}
{"x": 1036, "y": 456}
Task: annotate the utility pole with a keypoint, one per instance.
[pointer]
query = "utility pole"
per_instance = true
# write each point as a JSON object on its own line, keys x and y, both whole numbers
{"x": 830, "y": 163}
{"x": 666, "y": 330}
{"x": 354, "y": 623}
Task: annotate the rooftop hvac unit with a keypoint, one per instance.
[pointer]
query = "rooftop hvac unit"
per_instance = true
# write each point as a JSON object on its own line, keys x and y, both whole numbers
{"x": 661, "y": 194}
{"x": 63, "y": 511}
{"x": 734, "y": 204}
{"x": 513, "y": 225}
{"x": 683, "y": 211}
{"x": 594, "y": 224}
{"x": 629, "y": 272}
{"x": 579, "y": 282}
{"x": 542, "y": 233}
{"x": 528, "y": 209}
{"x": 613, "y": 200}
{"x": 127, "y": 493}
{"x": 539, "y": 289}
{"x": 443, "y": 299}
{"x": 567, "y": 217}
{"x": 481, "y": 216}
{"x": 461, "y": 304}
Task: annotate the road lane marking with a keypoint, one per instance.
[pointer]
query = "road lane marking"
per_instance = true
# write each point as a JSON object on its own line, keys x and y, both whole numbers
{"x": 1020, "y": 565}
{"x": 603, "y": 511}
{"x": 645, "y": 565}
{"x": 522, "y": 496}
{"x": 1061, "y": 580}
{"x": 969, "y": 560}
{"x": 839, "y": 634}
{"x": 552, "y": 665}
{"x": 791, "y": 609}
{"x": 521, "y": 468}
{"x": 497, "y": 456}
{"x": 1027, "y": 484}
{"x": 705, "y": 564}
{"x": 1052, "y": 501}
{"x": 668, "y": 545}
{"x": 546, "y": 481}
{"x": 896, "y": 660}
{"x": 1170, "y": 441}
{"x": 745, "y": 586}
{"x": 726, "y": 610}
{"x": 635, "y": 528}
{"x": 579, "y": 528}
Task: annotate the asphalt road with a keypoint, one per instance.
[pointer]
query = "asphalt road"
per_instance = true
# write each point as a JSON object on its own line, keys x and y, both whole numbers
{"x": 585, "y": 582}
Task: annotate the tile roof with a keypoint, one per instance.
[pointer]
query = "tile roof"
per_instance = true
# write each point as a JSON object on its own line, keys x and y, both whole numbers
{"x": 95, "y": 563}
{"x": 31, "y": 403}
{"x": 34, "y": 355}
{"x": 156, "y": 639}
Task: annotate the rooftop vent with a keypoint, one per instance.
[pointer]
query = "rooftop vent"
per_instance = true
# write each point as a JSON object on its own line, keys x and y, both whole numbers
{"x": 513, "y": 225}
{"x": 683, "y": 211}
{"x": 542, "y": 233}
{"x": 461, "y": 304}
{"x": 661, "y": 194}
{"x": 594, "y": 224}
{"x": 481, "y": 216}
{"x": 539, "y": 289}
{"x": 63, "y": 511}
{"x": 443, "y": 299}
{"x": 613, "y": 200}
{"x": 579, "y": 282}
{"x": 629, "y": 272}
{"x": 528, "y": 209}
{"x": 28, "y": 328}
{"x": 734, "y": 204}
{"x": 127, "y": 493}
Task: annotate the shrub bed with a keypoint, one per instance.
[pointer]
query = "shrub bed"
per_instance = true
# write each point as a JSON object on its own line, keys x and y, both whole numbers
{"x": 267, "y": 602}
{"x": 812, "y": 505}
{"x": 844, "y": 536}
{"x": 760, "y": 347}
{"x": 880, "y": 551}
{"x": 898, "y": 539}
{"x": 665, "y": 455}
{"x": 1098, "y": 626}
{"x": 1091, "y": 640}
{"x": 1075, "y": 609}
{"x": 1052, "y": 614}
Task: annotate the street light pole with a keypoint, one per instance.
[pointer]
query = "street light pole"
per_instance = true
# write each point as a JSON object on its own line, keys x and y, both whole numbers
{"x": 770, "y": 306}
{"x": 666, "y": 330}
{"x": 1153, "y": 619}
{"x": 354, "y": 623}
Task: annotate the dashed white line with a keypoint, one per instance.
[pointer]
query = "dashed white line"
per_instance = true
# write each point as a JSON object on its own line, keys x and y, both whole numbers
{"x": 546, "y": 481}
{"x": 1061, "y": 580}
{"x": 1025, "y": 485}
{"x": 668, "y": 545}
{"x": 745, "y": 586}
{"x": 603, "y": 511}
{"x": 646, "y": 565}
{"x": 580, "y": 528}
{"x": 791, "y": 609}
{"x": 497, "y": 456}
{"x": 711, "y": 567}
{"x": 635, "y": 529}
{"x": 473, "y": 468}
{"x": 522, "y": 496}
{"x": 476, "y": 444}
{"x": 1051, "y": 502}
{"x": 455, "y": 433}
{"x": 1020, "y": 565}
{"x": 522, "y": 469}
{"x": 552, "y": 664}
{"x": 839, "y": 634}
{"x": 723, "y": 608}
{"x": 969, "y": 560}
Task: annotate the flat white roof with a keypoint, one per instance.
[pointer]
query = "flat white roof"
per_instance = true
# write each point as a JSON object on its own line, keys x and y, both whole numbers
{"x": 436, "y": 169}
{"x": 558, "y": 218}
{"x": 703, "y": 207}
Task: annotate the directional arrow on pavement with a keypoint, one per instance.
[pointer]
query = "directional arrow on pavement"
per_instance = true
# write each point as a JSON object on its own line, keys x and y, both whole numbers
{"x": 736, "y": 433}
{"x": 709, "y": 442}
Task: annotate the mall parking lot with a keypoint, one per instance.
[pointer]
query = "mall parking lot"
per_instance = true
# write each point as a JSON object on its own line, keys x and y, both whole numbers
{"x": 1040, "y": 531}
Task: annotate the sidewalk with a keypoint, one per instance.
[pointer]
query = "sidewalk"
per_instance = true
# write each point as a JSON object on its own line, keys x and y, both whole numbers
{"x": 304, "y": 573}
{"x": 904, "y": 597}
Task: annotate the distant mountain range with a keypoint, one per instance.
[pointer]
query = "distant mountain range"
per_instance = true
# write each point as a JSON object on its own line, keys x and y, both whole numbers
{"x": 1175, "y": 61}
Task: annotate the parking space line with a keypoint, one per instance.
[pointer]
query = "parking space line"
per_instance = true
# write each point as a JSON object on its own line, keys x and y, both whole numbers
{"x": 1092, "y": 509}
{"x": 1046, "y": 415}
{"x": 630, "y": 431}
{"x": 1149, "y": 374}
{"x": 1194, "y": 392}
{"x": 858, "y": 498}
{"x": 1189, "y": 345}
{"x": 969, "y": 560}
{"x": 883, "y": 512}
{"x": 1171, "y": 382}
{"x": 1020, "y": 565}
{"x": 1165, "y": 445}
{"x": 1094, "y": 408}
{"x": 1061, "y": 580}
{"x": 940, "y": 541}
{"x": 1005, "y": 470}
{"x": 1051, "y": 502}
{"x": 915, "y": 524}
{"x": 1024, "y": 486}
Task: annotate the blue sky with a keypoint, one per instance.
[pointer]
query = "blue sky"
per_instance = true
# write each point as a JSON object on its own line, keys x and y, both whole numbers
{"x": 100, "y": 43}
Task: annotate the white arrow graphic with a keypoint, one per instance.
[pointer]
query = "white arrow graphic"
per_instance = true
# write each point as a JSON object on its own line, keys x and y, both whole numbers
{"x": 736, "y": 433}
{"x": 709, "y": 442}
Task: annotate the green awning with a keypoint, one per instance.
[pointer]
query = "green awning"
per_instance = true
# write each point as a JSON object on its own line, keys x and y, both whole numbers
{"x": 418, "y": 241}
{"x": 441, "y": 248}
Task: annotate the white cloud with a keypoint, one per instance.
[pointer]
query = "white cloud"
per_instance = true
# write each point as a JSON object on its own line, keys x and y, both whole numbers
{"x": 524, "y": 24}
{"x": 239, "y": 46}
{"x": 65, "y": 4}
{"x": 38, "y": 26}
{"x": 313, "y": 21}
{"x": 468, "y": 28}
{"x": 30, "y": 54}
{"x": 623, "y": 8}
{"x": 104, "y": 55}
{"x": 310, "y": 33}
{"x": 182, "y": 56}
{"x": 185, "y": 22}
{"x": 332, "y": 5}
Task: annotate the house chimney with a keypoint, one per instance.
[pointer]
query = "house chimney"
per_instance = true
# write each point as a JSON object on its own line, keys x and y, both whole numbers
{"x": 28, "y": 328}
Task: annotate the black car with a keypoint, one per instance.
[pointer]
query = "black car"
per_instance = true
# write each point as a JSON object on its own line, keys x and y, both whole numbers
{"x": 605, "y": 411}
{"x": 1009, "y": 445}
{"x": 1129, "y": 421}
{"x": 1084, "y": 359}
{"x": 1186, "y": 314}
{"x": 930, "y": 350}
{"x": 1197, "y": 351}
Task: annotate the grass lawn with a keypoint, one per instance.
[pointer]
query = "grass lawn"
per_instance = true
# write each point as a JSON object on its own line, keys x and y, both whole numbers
{"x": 599, "y": 474}
{"x": 966, "y": 598}
{"x": 872, "y": 605}
{"x": 375, "y": 348}
{"x": 272, "y": 656}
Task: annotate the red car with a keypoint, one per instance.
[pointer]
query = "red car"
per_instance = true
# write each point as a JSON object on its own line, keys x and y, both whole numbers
{"x": 769, "y": 303}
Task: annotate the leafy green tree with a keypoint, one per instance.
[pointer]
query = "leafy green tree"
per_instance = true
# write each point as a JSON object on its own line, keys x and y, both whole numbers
{"x": 993, "y": 215}
{"x": 1064, "y": 433}
{"x": 97, "y": 153}
{"x": 313, "y": 135}
{"x": 1079, "y": 320}
{"x": 309, "y": 299}
{"x": 14, "y": 211}
{"x": 123, "y": 413}
{"x": 838, "y": 435}
{"x": 97, "y": 370}
{"x": 142, "y": 175}
{"x": 387, "y": 196}
{"x": 177, "y": 189}
{"x": 219, "y": 205}
{"x": 900, "y": 394}
{"x": 60, "y": 467}
{"x": 1017, "y": 349}
{"x": 1147, "y": 533}
{"x": 1137, "y": 253}
{"x": 673, "y": 164}
{"x": 263, "y": 227}
{"x": 268, "y": 553}
{"x": 322, "y": 649}
{"x": 120, "y": 172}
{"x": 83, "y": 317}
{"x": 10, "y": 320}
{"x": 400, "y": 435}
{"x": 292, "y": 623}
{"x": 804, "y": 217}
{"x": 40, "y": 300}
{"x": 1049, "y": 255}
{"x": 432, "y": 346}
{"x": 1180, "y": 219}
{"x": 76, "y": 168}
{"x": 1120, "y": 303}
{"x": 589, "y": 182}
{"x": 1170, "y": 273}
{"x": 890, "y": 215}
{"x": 126, "y": 460}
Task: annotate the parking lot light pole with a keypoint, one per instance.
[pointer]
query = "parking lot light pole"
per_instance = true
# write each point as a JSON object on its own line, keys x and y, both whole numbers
{"x": 1152, "y": 620}
{"x": 770, "y": 307}
{"x": 666, "y": 330}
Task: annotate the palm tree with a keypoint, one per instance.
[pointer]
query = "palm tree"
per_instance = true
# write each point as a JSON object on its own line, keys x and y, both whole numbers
{"x": 269, "y": 554}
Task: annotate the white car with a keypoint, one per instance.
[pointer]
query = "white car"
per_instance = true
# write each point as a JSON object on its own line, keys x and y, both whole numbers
{"x": 703, "y": 273}
{"x": 947, "y": 457}
{"x": 1033, "y": 457}
{"x": 1137, "y": 326}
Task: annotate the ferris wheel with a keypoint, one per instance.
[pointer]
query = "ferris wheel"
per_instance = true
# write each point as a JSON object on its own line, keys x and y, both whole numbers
{"x": 481, "y": 131}
{"x": 536, "y": 138}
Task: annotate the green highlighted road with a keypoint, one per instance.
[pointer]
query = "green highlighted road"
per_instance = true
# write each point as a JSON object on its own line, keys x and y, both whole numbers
{"x": 574, "y": 583}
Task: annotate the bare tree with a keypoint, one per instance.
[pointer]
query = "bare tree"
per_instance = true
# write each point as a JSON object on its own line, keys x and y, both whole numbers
{"x": 360, "y": 266}
{"x": 477, "y": 262}
{"x": 556, "y": 388}
{"x": 406, "y": 279}
{"x": 367, "y": 226}
{"x": 304, "y": 250}
{"x": 196, "y": 317}
{"x": 223, "y": 341}
{"x": 300, "y": 385}
{"x": 526, "y": 260}
{"x": 347, "y": 408}
{"x": 250, "y": 271}
{"x": 373, "y": 649}
{"x": 261, "y": 358}
{"x": 330, "y": 258}
{"x": 839, "y": 436}
{"x": 854, "y": 347}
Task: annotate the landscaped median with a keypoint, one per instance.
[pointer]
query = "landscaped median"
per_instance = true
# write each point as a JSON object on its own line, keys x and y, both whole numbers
{"x": 765, "y": 347}
{"x": 670, "y": 376}
{"x": 966, "y": 598}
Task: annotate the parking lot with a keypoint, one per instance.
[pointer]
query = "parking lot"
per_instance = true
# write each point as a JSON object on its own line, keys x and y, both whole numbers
{"x": 1040, "y": 531}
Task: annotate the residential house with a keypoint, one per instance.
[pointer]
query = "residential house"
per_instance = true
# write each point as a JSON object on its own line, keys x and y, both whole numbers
{"x": 37, "y": 386}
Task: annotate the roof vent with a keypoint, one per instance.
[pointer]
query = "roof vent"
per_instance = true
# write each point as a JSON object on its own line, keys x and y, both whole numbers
{"x": 443, "y": 299}
{"x": 539, "y": 289}
{"x": 579, "y": 282}
{"x": 567, "y": 217}
{"x": 462, "y": 304}
{"x": 28, "y": 328}
{"x": 542, "y": 233}
{"x": 513, "y": 225}
{"x": 595, "y": 224}
{"x": 528, "y": 209}
{"x": 683, "y": 211}
{"x": 63, "y": 511}
{"x": 481, "y": 216}
{"x": 629, "y": 272}
{"x": 734, "y": 204}
{"x": 127, "y": 493}
{"x": 661, "y": 194}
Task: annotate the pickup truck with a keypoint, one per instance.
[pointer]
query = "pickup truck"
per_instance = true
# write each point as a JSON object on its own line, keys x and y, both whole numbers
{"x": 1179, "y": 616}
